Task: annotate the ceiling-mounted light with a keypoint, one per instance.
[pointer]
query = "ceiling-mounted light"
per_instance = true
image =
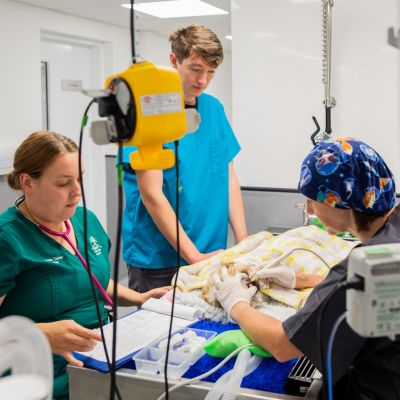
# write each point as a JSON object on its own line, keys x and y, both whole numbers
{"x": 177, "y": 8}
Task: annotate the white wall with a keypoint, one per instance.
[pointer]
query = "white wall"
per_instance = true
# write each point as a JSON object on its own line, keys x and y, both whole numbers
{"x": 277, "y": 82}
{"x": 20, "y": 30}
{"x": 156, "y": 48}
{"x": 21, "y": 27}
{"x": 221, "y": 86}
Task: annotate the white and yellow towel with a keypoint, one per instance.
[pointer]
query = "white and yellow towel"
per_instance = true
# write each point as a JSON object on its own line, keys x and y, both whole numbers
{"x": 263, "y": 248}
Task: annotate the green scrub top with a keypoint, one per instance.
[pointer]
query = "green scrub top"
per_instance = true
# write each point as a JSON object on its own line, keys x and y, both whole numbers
{"x": 43, "y": 281}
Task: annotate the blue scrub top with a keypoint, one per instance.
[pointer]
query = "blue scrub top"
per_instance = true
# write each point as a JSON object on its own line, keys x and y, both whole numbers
{"x": 204, "y": 157}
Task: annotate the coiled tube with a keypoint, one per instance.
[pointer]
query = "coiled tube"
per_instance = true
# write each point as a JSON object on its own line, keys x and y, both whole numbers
{"x": 229, "y": 383}
{"x": 238, "y": 373}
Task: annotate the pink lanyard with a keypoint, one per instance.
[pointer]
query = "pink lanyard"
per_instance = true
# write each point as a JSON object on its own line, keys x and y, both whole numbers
{"x": 65, "y": 236}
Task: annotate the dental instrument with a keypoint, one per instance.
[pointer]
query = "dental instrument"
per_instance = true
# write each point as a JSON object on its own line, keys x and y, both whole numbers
{"x": 257, "y": 273}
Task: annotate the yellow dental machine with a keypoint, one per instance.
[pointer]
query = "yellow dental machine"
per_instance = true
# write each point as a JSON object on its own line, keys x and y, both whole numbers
{"x": 144, "y": 108}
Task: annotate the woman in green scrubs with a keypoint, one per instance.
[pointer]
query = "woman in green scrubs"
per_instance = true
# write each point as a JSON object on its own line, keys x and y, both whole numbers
{"x": 41, "y": 277}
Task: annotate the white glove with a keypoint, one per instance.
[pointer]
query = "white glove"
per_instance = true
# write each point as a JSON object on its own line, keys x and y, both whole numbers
{"x": 229, "y": 290}
{"x": 283, "y": 276}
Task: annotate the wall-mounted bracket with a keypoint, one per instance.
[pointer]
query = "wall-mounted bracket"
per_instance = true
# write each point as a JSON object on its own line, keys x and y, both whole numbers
{"x": 393, "y": 40}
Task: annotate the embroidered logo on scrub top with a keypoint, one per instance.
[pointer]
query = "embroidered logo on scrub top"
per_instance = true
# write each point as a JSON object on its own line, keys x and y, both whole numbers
{"x": 95, "y": 246}
{"x": 54, "y": 260}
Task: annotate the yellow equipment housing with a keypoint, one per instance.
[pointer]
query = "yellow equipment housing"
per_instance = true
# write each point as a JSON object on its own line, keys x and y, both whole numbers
{"x": 160, "y": 113}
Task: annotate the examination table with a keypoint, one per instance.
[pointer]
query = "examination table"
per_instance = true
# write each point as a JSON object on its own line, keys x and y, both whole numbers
{"x": 268, "y": 382}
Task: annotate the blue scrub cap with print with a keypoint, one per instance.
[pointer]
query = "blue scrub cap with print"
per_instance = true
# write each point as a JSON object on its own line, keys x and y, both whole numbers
{"x": 348, "y": 174}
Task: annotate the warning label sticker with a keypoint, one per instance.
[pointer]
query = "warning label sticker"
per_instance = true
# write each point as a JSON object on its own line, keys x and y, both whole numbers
{"x": 156, "y": 104}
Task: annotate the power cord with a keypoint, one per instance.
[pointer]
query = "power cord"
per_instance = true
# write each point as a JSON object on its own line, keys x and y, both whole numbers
{"x": 339, "y": 320}
{"x": 178, "y": 263}
{"x": 132, "y": 30}
{"x": 355, "y": 283}
{"x": 96, "y": 299}
{"x": 113, "y": 379}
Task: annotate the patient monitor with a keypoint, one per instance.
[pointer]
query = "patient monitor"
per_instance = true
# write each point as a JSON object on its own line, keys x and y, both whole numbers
{"x": 374, "y": 309}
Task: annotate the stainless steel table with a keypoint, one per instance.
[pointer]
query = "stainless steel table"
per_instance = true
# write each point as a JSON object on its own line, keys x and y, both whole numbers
{"x": 89, "y": 384}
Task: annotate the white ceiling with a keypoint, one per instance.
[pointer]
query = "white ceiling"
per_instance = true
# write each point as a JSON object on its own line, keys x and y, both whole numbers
{"x": 110, "y": 11}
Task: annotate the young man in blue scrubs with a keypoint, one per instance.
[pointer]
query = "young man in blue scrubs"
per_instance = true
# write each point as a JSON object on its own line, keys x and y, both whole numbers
{"x": 209, "y": 190}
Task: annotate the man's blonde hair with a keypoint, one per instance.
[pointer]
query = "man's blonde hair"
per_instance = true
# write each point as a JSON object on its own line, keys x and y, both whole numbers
{"x": 199, "y": 40}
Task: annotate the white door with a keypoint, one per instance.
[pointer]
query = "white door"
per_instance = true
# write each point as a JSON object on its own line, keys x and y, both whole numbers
{"x": 70, "y": 67}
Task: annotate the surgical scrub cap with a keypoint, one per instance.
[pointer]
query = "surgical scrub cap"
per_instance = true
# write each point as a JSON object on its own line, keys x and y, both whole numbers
{"x": 348, "y": 174}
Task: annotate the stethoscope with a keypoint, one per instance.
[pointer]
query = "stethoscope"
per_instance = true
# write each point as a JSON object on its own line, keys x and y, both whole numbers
{"x": 65, "y": 236}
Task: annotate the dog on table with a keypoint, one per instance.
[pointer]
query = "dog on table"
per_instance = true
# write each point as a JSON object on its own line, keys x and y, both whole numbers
{"x": 208, "y": 291}
{"x": 281, "y": 275}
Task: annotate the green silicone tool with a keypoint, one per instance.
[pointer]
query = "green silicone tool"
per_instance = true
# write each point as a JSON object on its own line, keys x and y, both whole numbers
{"x": 226, "y": 342}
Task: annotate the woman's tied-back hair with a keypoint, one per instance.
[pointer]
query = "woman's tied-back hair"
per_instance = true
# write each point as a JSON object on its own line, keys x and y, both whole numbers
{"x": 199, "y": 40}
{"x": 36, "y": 153}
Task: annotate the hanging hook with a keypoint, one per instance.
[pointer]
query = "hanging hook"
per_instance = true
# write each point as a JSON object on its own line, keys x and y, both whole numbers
{"x": 315, "y": 133}
{"x": 394, "y": 41}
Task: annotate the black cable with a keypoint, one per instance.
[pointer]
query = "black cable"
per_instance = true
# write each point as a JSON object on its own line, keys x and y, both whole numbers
{"x": 178, "y": 265}
{"x": 113, "y": 385}
{"x": 96, "y": 299}
{"x": 113, "y": 382}
{"x": 320, "y": 338}
{"x": 132, "y": 28}
{"x": 341, "y": 285}
{"x": 328, "y": 128}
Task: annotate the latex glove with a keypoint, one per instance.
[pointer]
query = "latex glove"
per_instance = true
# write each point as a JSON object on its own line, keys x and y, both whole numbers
{"x": 229, "y": 290}
{"x": 283, "y": 276}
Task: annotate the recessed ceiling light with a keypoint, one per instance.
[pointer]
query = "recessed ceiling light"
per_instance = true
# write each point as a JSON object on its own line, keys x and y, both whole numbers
{"x": 229, "y": 37}
{"x": 177, "y": 8}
